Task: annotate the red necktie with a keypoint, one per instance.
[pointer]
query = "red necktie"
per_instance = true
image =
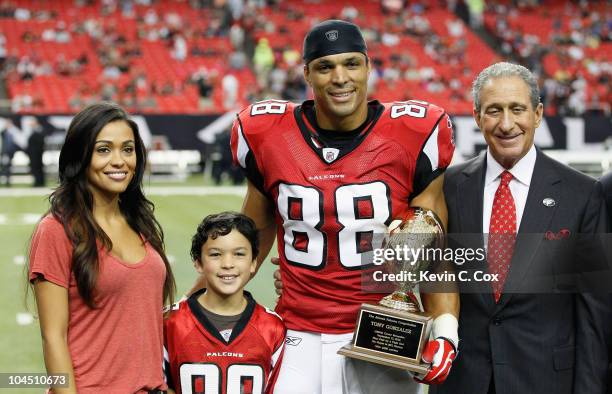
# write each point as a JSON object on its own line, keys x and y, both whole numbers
{"x": 502, "y": 233}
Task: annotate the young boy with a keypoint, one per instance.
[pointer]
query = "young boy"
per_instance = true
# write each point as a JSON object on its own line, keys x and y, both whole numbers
{"x": 220, "y": 340}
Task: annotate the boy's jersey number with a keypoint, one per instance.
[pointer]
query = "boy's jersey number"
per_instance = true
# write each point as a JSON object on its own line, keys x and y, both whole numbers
{"x": 205, "y": 378}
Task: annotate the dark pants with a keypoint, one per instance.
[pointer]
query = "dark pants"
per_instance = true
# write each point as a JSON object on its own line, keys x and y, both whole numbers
{"x": 36, "y": 146}
{"x": 5, "y": 165}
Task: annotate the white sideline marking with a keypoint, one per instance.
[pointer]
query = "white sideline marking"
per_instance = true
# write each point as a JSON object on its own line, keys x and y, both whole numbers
{"x": 30, "y": 218}
{"x": 149, "y": 191}
{"x": 24, "y": 318}
{"x": 33, "y": 218}
{"x": 19, "y": 219}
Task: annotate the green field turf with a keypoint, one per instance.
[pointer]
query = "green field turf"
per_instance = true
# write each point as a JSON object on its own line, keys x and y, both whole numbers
{"x": 20, "y": 345}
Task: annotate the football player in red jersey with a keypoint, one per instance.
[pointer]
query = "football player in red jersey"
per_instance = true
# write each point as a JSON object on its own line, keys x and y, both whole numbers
{"x": 220, "y": 340}
{"x": 324, "y": 177}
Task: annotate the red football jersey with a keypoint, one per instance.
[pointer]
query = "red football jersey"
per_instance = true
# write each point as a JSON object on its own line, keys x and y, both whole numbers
{"x": 197, "y": 360}
{"x": 330, "y": 203}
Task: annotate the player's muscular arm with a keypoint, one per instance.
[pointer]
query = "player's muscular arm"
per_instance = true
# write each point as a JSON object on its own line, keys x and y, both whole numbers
{"x": 259, "y": 208}
{"x": 437, "y": 303}
{"x": 443, "y": 305}
{"x": 433, "y": 198}
{"x": 52, "y": 304}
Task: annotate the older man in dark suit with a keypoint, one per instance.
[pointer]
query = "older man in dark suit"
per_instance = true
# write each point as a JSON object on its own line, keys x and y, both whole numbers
{"x": 524, "y": 332}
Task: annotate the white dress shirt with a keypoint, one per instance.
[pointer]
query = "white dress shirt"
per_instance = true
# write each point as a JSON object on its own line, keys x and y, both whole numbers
{"x": 519, "y": 186}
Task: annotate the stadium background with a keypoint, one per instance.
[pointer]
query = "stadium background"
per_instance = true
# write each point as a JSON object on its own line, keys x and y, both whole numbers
{"x": 183, "y": 68}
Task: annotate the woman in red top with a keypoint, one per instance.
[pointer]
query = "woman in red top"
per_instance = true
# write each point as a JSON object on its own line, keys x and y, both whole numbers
{"x": 97, "y": 262}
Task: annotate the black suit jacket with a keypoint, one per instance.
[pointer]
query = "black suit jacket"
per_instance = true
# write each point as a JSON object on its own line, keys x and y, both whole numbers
{"x": 549, "y": 341}
{"x": 606, "y": 182}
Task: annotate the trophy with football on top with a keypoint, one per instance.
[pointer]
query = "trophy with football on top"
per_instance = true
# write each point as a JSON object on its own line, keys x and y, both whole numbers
{"x": 395, "y": 331}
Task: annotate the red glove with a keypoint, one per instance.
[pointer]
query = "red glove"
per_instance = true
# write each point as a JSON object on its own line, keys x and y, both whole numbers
{"x": 440, "y": 353}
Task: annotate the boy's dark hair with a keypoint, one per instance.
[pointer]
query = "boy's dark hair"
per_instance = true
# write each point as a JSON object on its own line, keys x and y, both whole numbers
{"x": 220, "y": 224}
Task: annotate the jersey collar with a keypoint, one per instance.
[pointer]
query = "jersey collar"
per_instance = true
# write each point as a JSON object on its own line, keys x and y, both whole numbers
{"x": 196, "y": 310}
{"x": 311, "y": 135}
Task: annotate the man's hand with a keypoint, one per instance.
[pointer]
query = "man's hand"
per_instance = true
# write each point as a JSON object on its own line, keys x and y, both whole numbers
{"x": 440, "y": 352}
{"x": 278, "y": 282}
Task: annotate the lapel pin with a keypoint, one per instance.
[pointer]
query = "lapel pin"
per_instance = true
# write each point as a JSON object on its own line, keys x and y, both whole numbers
{"x": 549, "y": 202}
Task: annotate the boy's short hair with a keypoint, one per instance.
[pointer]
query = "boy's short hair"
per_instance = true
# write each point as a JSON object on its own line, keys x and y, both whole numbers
{"x": 220, "y": 224}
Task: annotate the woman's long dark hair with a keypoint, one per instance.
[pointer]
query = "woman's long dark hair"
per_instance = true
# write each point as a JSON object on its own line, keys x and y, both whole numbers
{"x": 72, "y": 202}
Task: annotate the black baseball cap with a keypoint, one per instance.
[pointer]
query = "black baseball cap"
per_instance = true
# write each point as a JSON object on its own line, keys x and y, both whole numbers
{"x": 332, "y": 37}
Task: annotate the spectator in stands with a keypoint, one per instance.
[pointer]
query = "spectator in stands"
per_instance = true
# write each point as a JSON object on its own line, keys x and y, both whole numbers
{"x": 214, "y": 28}
{"x": 391, "y": 73}
{"x": 148, "y": 102}
{"x": 236, "y": 8}
{"x": 202, "y": 79}
{"x": 97, "y": 263}
{"x": 417, "y": 26}
{"x": 230, "y": 86}
{"x": 150, "y": 17}
{"x": 457, "y": 89}
{"x": 7, "y": 9}
{"x": 26, "y": 68}
{"x": 236, "y": 36}
{"x": 295, "y": 86}
{"x": 3, "y": 52}
{"x": 108, "y": 91}
{"x": 237, "y": 60}
{"x": 579, "y": 48}
{"x": 349, "y": 13}
{"x": 166, "y": 89}
{"x": 276, "y": 79}
{"x": 67, "y": 68}
{"x": 28, "y": 37}
{"x": 263, "y": 60}
{"x": 26, "y": 102}
{"x": 76, "y": 101}
{"x": 22, "y": 14}
{"x": 476, "y": 9}
{"x": 111, "y": 71}
{"x": 179, "y": 51}
{"x": 291, "y": 57}
{"x": 455, "y": 28}
{"x": 391, "y": 6}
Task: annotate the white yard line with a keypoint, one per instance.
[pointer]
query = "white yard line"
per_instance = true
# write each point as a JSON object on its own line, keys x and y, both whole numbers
{"x": 19, "y": 260}
{"x": 19, "y": 219}
{"x": 150, "y": 191}
{"x": 24, "y": 318}
{"x": 33, "y": 218}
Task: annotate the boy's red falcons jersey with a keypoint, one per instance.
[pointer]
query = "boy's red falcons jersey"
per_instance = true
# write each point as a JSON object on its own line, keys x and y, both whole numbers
{"x": 329, "y": 203}
{"x": 197, "y": 360}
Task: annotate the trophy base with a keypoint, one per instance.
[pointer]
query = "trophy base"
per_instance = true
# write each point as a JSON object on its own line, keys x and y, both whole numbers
{"x": 390, "y": 337}
{"x": 351, "y": 351}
